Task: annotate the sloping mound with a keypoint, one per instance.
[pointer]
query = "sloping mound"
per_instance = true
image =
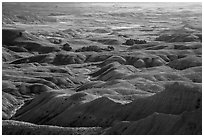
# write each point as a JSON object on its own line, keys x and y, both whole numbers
{"x": 113, "y": 65}
{"x": 91, "y": 84}
{"x": 195, "y": 45}
{"x": 175, "y": 99}
{"x": 178, "y": 35}
{"x": 178, "y": 38}
{"x": 112, "y": 59}
{"x": 187, "y": 123}
{"x": 193, "y": 73}
{"x": 84, "y": 109}
{"x": 116, "y": 83}
{"x": 112, "y": 71}
{"x": 95, "y": 57}
{"x": 148, "y": 62}
{"x": 48, "y": 105}
{"x": 187, "y": 62}
{"x": 51, "y": 108}
{"x": 11, "y": 127}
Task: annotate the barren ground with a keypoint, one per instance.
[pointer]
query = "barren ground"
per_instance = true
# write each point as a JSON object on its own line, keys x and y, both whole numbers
{"x": 102, "y": 68}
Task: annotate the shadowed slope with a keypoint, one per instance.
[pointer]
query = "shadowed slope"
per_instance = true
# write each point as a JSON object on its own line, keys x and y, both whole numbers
{"x": 103, "y": 111}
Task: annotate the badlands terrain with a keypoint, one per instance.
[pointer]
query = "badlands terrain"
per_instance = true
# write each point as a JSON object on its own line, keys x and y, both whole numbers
{"x": 101, "y": 68}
